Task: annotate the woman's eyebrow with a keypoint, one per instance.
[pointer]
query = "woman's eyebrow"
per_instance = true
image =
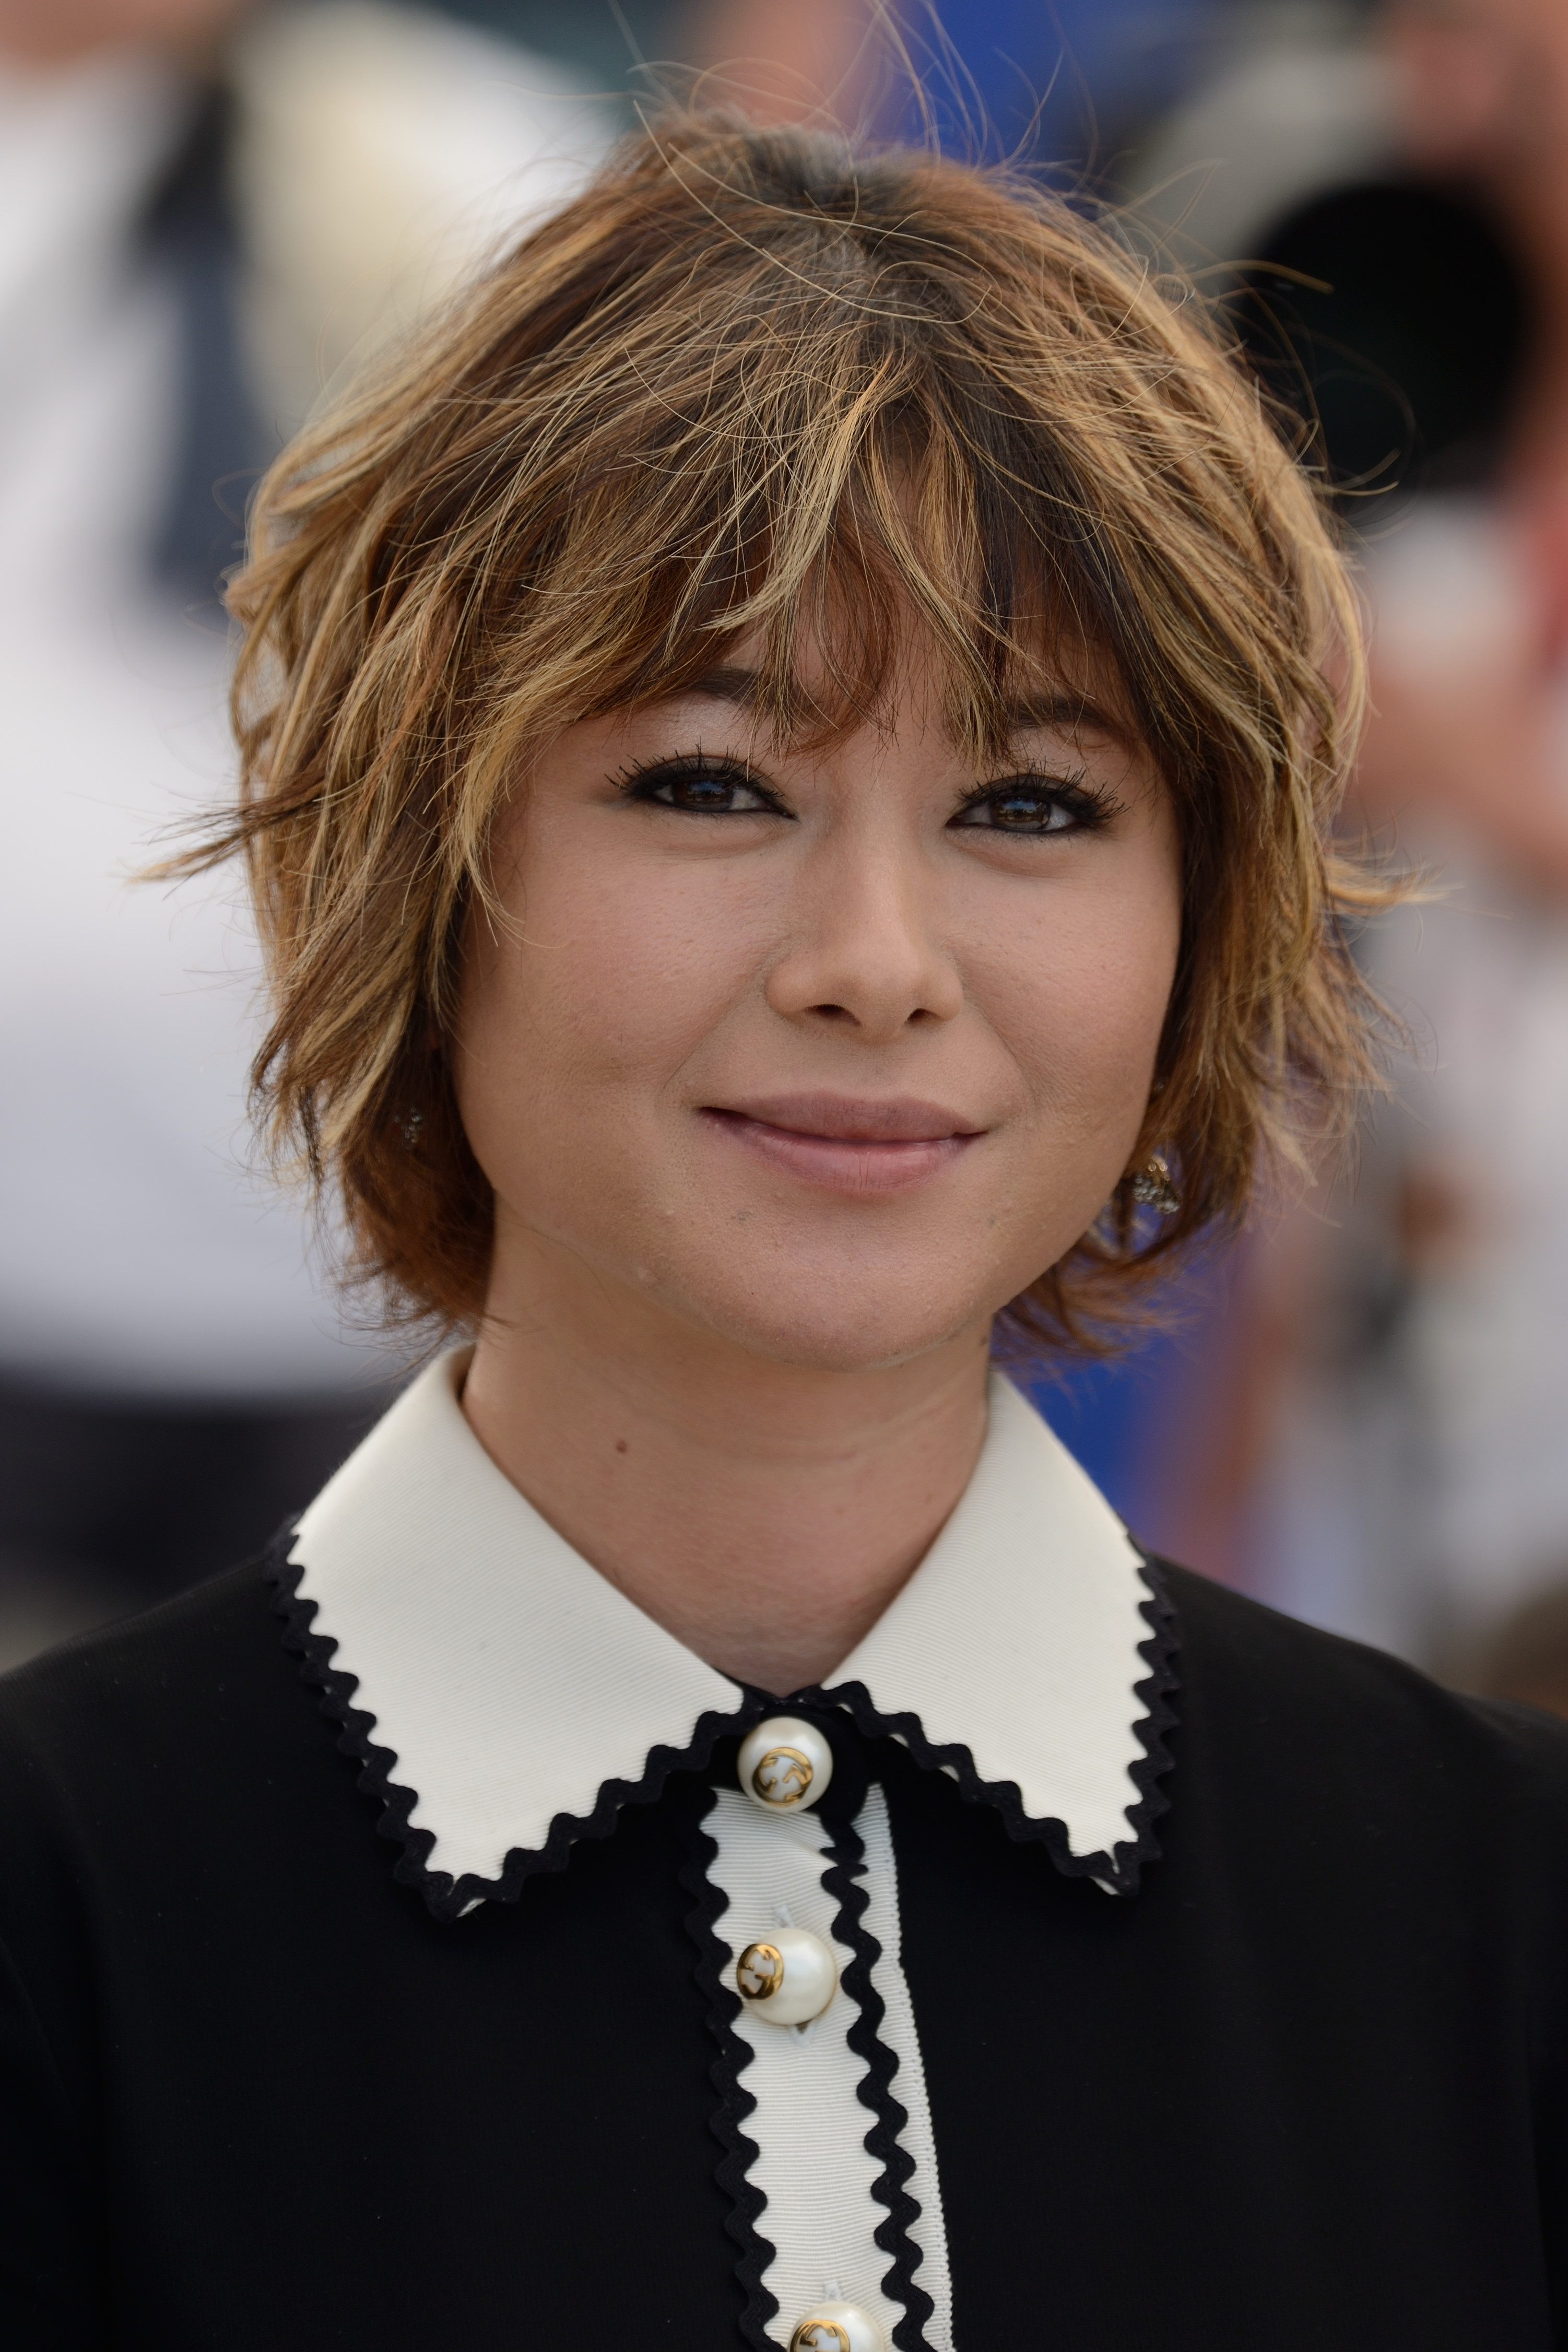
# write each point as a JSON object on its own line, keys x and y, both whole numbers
{"x": 1053, "y": 709}
{"x": 728, "y": 683}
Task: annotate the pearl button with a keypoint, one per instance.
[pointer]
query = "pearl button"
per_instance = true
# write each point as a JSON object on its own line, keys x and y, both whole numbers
{"x": 785, "y": 1765}
{"x": 838, "y": 2327}
{"x": 788, "y": 1979}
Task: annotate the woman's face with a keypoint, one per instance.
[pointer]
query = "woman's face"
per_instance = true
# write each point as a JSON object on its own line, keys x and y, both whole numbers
{"x": 826, "y": 1053}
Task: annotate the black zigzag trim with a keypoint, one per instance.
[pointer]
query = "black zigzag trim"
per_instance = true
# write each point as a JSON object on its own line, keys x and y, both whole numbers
{"x": 735, "y": 2100}
{"x": 448, "y": 1898}
{"x": 885, "y": 2139}
{"x": 1118, "y": 1870}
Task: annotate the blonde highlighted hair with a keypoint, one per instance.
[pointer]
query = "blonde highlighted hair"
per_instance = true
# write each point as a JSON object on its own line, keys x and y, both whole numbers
{"x": 760, "y": 380}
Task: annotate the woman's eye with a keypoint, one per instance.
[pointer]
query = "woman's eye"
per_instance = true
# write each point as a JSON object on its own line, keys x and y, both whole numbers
{"x": 1027, "y": 808}
{"x": 703, "y": 792}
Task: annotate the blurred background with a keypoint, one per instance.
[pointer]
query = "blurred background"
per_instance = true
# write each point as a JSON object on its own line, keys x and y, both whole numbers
{"x": 1359, "y": 1412}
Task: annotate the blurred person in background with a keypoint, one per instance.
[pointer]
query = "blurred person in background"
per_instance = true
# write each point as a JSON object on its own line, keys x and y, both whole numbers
{"x": 204, "y": 208}
{"x": 788, "y": 60}
{"x": 1398, "y": 1379}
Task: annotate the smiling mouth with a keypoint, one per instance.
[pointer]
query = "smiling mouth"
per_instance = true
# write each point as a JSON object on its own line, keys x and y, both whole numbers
{"x": 868, "y": 1149}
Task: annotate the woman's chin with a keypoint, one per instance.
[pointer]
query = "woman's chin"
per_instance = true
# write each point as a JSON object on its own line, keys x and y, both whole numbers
{"x": 842, "y": 1326}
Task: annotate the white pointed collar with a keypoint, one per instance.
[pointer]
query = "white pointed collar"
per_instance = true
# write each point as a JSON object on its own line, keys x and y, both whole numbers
{"x": 507, "y": 1698}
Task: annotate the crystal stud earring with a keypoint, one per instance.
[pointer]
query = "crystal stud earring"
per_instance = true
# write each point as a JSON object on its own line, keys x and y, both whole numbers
{"x": 1153, "y": 1189}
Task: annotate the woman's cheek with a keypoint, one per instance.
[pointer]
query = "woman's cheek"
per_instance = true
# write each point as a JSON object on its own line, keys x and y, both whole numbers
{"x": 615, "y": 979}
{"x": 1080, "y": 1002}
{"x": 655, "y": 964}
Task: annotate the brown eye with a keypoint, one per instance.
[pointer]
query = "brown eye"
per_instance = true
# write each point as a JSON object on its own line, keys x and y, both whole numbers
{"x": 1029, "y": 813}
{"x": 708, "y": 795}
{"x": 1020, "y": 808}
{"x": 700, "y": 789}
{"x": 1035, "y": 806}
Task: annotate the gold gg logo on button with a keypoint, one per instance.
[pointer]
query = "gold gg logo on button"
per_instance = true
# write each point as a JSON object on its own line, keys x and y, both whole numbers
{"x": 760, "y": 1971}
{"x": 838, "y": 2327}
{"x": 785, "y": 1765}
{"x": 788, "y": 1980}
{"x": 783, "y": 1776}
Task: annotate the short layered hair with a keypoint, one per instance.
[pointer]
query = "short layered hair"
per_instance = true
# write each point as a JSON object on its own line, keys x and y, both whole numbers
{"x": 762, "y": 380}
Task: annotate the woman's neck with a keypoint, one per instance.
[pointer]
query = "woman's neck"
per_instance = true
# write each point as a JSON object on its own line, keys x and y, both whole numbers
{"x": 763, "y": 1513}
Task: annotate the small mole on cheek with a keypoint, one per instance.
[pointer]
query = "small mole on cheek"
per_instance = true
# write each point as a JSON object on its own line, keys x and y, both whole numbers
{"x": 621, "y": 1445}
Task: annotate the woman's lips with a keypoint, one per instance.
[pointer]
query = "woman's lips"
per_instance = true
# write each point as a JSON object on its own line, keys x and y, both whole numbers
{"x": 842, "y": 1145}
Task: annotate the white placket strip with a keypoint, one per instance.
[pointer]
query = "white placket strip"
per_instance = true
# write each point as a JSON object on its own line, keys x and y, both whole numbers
{"x": 810, "y": 2123}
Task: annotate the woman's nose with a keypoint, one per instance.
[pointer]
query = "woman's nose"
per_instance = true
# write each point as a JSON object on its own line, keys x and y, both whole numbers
{"x": 867, "y": 957}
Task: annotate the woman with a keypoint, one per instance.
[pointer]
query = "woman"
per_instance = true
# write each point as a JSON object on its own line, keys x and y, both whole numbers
{"x": 788, "y": 753}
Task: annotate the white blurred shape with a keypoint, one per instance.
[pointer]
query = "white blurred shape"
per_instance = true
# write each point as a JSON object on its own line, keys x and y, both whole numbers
{"x": 385, "y": 152}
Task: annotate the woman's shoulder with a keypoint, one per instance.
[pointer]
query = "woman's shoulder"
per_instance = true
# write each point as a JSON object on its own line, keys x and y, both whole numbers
{"x": 1328, "y": 1747}
{"x": 199, "y": 1634}
{"x": 175, "y": 1708}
